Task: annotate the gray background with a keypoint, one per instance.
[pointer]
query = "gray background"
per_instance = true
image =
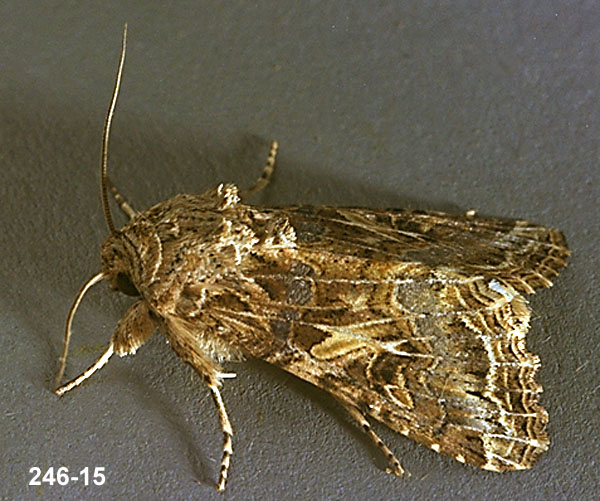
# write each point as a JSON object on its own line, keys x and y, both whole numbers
{"x": 438, "y": 105}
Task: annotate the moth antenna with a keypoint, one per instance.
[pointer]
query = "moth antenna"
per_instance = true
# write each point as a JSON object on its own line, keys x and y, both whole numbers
{"x": 63, "y": 359}
{"x": 267, "y": 172}
{"x": 106, "y": 134}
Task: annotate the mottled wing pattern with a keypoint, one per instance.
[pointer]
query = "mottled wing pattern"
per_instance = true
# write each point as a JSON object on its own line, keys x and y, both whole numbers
{"x": 522, "y": 254}
{"x": 415, "y": 318}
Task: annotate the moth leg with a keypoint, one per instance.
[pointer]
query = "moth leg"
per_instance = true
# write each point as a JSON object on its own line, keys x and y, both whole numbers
{"x": 395, "y": 466}
{"x": 227, "y": 436}
{"x": 133, "y": 330}
{"x": 120, "y": 199}
{"x": 267, "y": 172}
{"x": 185, "y": 344}
{"x": 96, "y": 366}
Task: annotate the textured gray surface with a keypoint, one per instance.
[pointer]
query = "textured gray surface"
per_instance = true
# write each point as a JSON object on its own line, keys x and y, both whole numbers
{"x": 443, "y": 105}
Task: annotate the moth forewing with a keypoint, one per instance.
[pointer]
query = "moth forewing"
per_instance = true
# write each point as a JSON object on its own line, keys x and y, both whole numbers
{"x": 417, "y": 319}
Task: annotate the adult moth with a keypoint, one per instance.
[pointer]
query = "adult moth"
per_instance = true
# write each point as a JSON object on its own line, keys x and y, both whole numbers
{"x": 416, "y": 319}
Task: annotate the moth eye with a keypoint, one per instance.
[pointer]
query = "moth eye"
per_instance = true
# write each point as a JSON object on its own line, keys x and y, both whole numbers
{"x": 125, "y": 285}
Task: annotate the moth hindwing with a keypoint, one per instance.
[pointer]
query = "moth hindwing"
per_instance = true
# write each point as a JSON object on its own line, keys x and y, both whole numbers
{"x": 416, "y": 319}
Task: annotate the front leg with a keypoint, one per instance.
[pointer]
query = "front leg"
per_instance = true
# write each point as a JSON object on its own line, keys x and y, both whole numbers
{"x": 133, "y": 330}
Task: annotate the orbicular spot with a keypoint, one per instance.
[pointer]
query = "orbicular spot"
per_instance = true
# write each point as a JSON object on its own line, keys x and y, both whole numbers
{"x": 299, "y": 291}
{"x": 301, "y": 270}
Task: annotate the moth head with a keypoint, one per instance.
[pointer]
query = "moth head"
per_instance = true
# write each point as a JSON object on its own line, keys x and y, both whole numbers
{"x": 131, "y": 256}
{"x": 116, "y": 265}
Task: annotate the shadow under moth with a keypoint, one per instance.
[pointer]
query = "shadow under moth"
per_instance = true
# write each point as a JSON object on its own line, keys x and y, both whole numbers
{"x": 416, "y": 319}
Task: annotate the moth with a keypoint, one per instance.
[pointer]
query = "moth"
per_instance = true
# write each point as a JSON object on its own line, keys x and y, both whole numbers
{"x": 415, "y": 319}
